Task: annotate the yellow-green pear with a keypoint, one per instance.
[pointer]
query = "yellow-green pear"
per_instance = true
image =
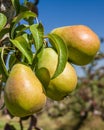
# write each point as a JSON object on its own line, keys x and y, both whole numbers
{"x": 23, "y": 92}
{"x": 82, "y": 43}
{"x": 63, "y": 84}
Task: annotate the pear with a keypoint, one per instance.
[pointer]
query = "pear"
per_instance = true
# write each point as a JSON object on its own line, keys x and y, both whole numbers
{"x": 23, "y": 93}
{"x": 82, "y": 43}
{"x": 63, "y": 84}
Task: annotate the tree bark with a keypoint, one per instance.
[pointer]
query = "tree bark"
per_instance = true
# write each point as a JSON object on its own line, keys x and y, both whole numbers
{"x": 7, "y": 9}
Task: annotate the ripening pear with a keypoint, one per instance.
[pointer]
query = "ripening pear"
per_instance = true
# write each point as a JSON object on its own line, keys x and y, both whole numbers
{"x": 63, "y": 84}
{"x": 81, "y": 41}
{"x": 23, "y": 92}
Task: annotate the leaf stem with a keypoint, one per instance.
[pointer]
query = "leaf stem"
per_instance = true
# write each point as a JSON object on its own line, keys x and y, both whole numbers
{"x": 4, "y": 66}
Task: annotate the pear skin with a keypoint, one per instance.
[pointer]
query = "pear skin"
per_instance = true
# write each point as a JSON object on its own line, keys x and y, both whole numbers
{"x": 63, "y": 84}
{"x": 23, "y": 93}
{"x": 82, "y": 43}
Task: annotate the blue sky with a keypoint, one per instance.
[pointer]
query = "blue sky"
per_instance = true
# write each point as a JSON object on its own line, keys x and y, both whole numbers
{"x": 55, "y": 13}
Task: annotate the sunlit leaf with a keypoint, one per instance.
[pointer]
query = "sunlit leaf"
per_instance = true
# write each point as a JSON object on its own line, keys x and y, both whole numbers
{"x": 0, "y": 50}
{"x": 25, "y": 35}
{"x": 37, "y": 31}
{"x": 35, "y": 58}
{"x": 22, "y": 45}
{"x": 59, "y": 45}
{"x": 26, "y": 14}
{"x": 3, "y": 21}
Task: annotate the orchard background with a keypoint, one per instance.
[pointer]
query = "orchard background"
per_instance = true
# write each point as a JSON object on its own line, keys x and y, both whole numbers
{"x": 82, "y": 110}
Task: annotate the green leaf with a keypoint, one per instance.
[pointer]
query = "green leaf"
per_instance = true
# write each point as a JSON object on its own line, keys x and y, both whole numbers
{"x": 26, "y": 14}
{"x": 25, "y": 35}
{"x": 59, "y": 45}
{"x": 3, "y": 21}
{"x": 35, "y": 58}
{"x": 3, "y": 32}
{"x": 3, "y": 69}
{"x": 0, "y": 61}
{"x": 44, "y": 76}
{"x": 19, "y": 30}
{"x": 0, "y": 50}
{"x": 25, "y": 1}
{"x": 16, "y": 5}
{"x": 37, "y": 31}
{"x": 22, "y": 45}
{"x": 12, "y": 60}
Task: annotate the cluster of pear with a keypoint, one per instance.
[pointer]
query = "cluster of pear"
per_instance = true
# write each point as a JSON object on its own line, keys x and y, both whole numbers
{"x": 24, "y": 94}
